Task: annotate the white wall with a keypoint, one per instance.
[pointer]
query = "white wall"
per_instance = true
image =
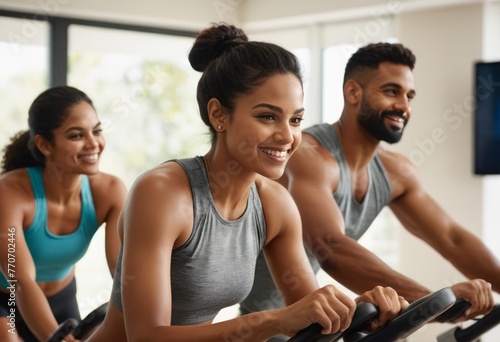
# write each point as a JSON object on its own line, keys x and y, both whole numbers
{"x": 491, "y": 184}
{"x": 447, "y": 43}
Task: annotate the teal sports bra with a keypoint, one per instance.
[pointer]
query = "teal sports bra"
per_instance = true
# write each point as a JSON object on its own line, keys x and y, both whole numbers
{"x": 55, "y": 255}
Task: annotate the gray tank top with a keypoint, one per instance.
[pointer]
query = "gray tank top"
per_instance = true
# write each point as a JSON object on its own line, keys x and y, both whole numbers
{"x": 357, "y": 216}
{"x": 214, "y": 269}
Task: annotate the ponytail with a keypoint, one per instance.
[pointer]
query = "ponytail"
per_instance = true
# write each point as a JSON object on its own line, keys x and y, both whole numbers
{"x": 17, "y": 154}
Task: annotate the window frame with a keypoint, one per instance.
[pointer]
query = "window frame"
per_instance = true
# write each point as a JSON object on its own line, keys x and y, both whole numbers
{"x": 58, "y": 37}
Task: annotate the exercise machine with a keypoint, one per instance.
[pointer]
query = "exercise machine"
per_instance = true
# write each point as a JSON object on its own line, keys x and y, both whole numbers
{"x": 440, "y": 306}
{"x": 472, "y": 332}
{"x": 80, "y": 330}
{"x": 415, "y": 316}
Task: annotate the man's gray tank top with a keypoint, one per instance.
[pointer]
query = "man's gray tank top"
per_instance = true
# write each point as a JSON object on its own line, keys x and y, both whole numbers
{"x": 214, "y": 268}
{"x": 357, "y": 216}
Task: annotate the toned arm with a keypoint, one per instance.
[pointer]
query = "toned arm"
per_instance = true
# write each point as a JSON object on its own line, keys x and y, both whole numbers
{"x": 109, "y": 193}
{"x": 157, "y": 218}
{"x": 16, "y": 201}
{"x": 284, "y": 250}
{"x": 313, "y": 176}
{"x": 423, "y": 217}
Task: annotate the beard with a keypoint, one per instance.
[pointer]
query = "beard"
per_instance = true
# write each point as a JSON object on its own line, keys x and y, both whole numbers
{"x": 375, "y": 124}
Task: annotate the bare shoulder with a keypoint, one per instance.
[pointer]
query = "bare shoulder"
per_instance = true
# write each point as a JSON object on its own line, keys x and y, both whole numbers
{"x": 166, "y": 174}
{"x": 271, "y": 191}
{"x": 108, "y": 192}
{"x": 312, "y": 162}
{"x": 16, "y": 184}
{"x": 105, "y": 182}
{"x": 167, "y": 181}
{"x": 160, "y": 198}
{"x": 17, "y": 205}
{"x": 310, "y": 151}
{"x": 402, "y": 174}
{"x": 396, "y": 163}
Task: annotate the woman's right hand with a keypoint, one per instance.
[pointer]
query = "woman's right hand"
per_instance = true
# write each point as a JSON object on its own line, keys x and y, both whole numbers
{"x": 328, "y": 306}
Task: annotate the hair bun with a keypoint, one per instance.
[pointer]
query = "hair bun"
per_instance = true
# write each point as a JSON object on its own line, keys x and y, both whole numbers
{"x": 212, "y": 42}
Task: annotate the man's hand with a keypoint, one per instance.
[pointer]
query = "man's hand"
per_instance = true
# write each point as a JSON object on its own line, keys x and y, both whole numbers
{"x": 478, "y": 293}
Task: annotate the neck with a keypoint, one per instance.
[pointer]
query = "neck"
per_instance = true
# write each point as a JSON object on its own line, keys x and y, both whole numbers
{"x": 61, "y": 185}
{"x": 359, "y": 147}
{"x": 229, "y": 183}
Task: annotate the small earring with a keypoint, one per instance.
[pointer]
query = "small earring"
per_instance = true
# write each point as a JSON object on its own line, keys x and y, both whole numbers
{"x": 219, "y": 127}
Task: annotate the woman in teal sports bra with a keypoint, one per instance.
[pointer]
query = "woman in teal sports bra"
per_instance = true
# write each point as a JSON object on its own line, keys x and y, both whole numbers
{"x": 52, "y": 200}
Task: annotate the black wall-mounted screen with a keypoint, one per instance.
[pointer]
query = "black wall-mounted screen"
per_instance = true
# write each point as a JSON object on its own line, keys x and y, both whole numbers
{"x": 487, "y": 119}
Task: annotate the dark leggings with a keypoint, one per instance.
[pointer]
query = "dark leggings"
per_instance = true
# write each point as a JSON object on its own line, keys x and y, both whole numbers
{"x": 63, "y": 305}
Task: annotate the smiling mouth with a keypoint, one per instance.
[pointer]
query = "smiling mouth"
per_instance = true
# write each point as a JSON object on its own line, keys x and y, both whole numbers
{"x": 396, "y": 118}
{"x": 275, "y": 153}
{"x": 89, "y": 157}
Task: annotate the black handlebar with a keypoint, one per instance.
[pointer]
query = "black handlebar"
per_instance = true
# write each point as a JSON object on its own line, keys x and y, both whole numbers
{"x": 480, "y": 327}
{"x": 472, "y": 332}
{"x": 80, "y": 330}
{"x": 364, "y": 314}
{"x": 457, "y": 310}
{"x": 409, "y": 320}
{"x": 63, "y": 330}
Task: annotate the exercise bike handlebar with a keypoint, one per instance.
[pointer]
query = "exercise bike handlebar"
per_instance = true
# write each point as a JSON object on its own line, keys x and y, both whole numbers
{"x": 416, "y": 315}
{"x": 80, "y": 330}
{"x": 473, "y": 331}
{"x": 365, "y": 313}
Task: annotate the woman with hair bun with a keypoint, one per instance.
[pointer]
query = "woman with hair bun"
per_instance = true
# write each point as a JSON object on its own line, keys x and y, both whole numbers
{"x": 192, "y": 229}
{"x": 52, "y": 200}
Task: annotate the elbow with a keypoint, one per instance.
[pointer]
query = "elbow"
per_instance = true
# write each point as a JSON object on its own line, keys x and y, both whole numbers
{"x": 329, "y": 265}
{"x": 327, "y": 257}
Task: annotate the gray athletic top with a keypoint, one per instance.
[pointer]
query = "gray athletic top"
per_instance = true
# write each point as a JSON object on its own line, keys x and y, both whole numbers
{"x": 214, "y": 268}
{"x": 357, "y": 216}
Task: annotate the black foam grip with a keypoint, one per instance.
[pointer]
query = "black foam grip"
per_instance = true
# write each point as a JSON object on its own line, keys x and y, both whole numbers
{"x": 409, "y": 320}
{"x": 90, "y": 322}
{"x": 480, "y": 327}
{"x": 63, "y": 330}
{"x": 457, "y": 310}
{"x": 364, "y": 314}
{"x": 416, "y": 315}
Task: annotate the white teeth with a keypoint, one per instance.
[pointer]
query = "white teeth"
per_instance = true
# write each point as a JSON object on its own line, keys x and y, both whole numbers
{"x": 89, "y": 156}
{"x": 397, "y": 118}
{"x": 275, "y": 153}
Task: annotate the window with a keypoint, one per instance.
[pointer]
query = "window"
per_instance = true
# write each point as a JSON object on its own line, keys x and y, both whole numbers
{"x": 143, "y": 89}
{"x": 145, "y": 97}
{"x": 146, "y": 100}
{"x": 24, "y": 56}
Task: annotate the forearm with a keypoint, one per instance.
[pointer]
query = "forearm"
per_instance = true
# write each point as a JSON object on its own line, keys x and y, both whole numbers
{"x": 254, "y": 327}
{"x": 359, "y": 270}
{"x": 471, "y": 257}
{"x": 35, "y": 309}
